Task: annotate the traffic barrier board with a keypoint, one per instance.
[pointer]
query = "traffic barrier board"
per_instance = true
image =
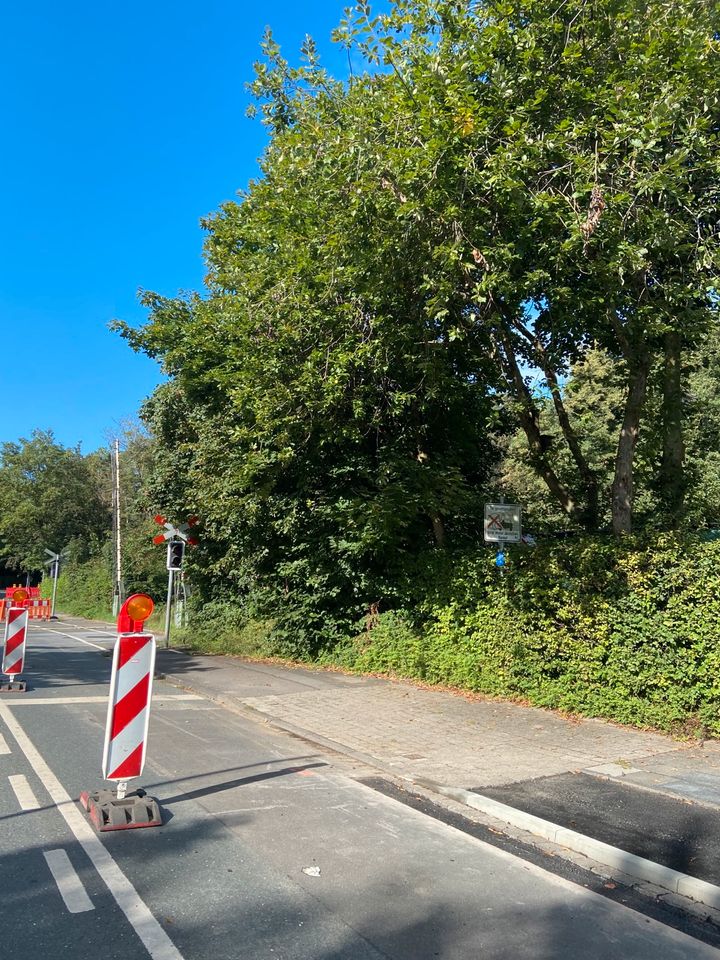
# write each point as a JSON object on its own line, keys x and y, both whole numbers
{"x": 129, "y": 706}
{"x": 14, "y": 648}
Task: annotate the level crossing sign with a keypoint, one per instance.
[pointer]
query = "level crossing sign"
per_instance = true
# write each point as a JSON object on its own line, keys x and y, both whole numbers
{"x": 503, "y": 523}
{"x": 181, "y": 531}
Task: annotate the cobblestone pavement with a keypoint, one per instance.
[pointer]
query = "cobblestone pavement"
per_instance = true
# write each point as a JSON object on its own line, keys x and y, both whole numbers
{"x": 449, "y": 738}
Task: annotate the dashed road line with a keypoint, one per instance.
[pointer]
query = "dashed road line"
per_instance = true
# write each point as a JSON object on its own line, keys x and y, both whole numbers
{"x": 23, "y": 791}
{"x": 68, "y": 882}
{"x": 154, "y": 938}
{"x": 4, "y": 748}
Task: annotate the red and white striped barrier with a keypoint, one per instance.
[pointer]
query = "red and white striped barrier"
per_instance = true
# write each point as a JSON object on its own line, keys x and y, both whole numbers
{"x": 129, "y": 707}
{"x": 39, "y": 609}
{"x": 126, "y": 729}
{"x": 14, "y": 649}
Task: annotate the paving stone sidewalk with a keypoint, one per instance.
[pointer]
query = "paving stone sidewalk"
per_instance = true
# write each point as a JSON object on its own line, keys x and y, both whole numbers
{"x": 448, "y": 738}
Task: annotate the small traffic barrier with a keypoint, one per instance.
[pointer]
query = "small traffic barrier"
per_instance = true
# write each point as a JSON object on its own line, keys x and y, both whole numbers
{"x": 125, "y": 746}
{"x": 14, "y": 650}
{"x": 39, "y": 609}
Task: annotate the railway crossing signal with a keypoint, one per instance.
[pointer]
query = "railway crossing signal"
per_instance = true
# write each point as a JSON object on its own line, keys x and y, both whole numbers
{"x": 176, "y": 536}
{"x": 180, "y": 531}
{"x": 175, "y": 554}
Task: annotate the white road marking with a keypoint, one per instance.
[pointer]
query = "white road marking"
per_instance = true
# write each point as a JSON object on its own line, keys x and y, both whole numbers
{"x": 4, "y": 748}
{"x": 155, "y": 939}
{"x": 60, "y": 633}
{"x": 158, "y": 700}
{"x": 68, "y": 882}
{"x": 23, "y": 791}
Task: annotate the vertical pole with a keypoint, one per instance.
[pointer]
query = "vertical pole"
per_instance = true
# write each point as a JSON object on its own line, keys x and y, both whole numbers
{"x": 117, "y": 592}
{"x": 171, "y": 574}
{"x": 56, "y": 567}
{"x": 501, "y": 547}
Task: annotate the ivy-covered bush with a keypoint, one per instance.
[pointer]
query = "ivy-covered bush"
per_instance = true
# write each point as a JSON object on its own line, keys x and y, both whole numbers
{"x": 627, "y": 631}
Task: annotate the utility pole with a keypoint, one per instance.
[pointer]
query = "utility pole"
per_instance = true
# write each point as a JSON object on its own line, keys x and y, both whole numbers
{"x": 117, "y": 587}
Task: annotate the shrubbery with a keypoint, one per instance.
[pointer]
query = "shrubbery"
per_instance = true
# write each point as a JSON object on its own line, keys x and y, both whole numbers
{"x": 624, "y": 631}
{"x": 85, "y": 589}
{"x": 627, "y": 630}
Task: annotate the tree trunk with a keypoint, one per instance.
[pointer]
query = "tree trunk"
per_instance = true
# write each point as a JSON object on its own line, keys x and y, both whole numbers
{"x": 622, "y": 487}
{"x": 530, "y": 422}
{"x": 587, "y": 475}
{"x": 672, "y": 474}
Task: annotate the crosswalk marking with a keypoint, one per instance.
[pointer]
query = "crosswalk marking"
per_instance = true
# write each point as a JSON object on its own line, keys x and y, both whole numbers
{"x": 23, "y": 791}
{"x": 68, "y": 882}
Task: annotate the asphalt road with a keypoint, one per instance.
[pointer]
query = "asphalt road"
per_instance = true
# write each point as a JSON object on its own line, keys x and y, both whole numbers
{"x": 269, "y": 848}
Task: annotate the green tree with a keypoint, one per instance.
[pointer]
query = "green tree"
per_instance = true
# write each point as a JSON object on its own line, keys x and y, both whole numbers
{"x": 567, "y": 157}
{"x": 49, "y": 496}
{"x": 506, "y": 185}
{"x": 593, "y": 397}
{"x": 701, "y": 407}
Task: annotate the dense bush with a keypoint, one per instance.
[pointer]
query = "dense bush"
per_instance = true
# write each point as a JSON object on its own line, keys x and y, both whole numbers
{"x": 223, "y": 627}
{"x": 85, "y": 587}
{"x": 628, "y": 632}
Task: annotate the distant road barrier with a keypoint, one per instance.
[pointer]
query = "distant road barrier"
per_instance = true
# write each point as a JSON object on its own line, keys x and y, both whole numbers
{"x": 38, "y": 609}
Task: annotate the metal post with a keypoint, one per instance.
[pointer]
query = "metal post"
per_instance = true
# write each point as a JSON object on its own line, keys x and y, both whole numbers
{"x": 56, "y": 567}
{"x": 171, "y": 574}
{"x": 117, "y": 591}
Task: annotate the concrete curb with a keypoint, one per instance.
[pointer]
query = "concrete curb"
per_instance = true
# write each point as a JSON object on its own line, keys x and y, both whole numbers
{"x": 604, "y": 853}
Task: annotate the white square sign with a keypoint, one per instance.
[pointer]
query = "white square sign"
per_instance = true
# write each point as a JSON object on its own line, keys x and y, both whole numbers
{"x": 503, "y": 523}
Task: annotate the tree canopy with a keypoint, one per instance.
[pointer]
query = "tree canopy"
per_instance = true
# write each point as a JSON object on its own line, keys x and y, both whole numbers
{"x": 49, "y": 496}
{"x": 503, "y": 188}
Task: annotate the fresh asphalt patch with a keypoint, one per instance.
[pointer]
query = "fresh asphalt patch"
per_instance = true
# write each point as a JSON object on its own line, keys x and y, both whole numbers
{"x": 676, "y": 833}
{"x": 671, "y": 915}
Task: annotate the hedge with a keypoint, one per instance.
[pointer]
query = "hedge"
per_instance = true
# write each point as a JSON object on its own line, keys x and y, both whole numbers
{"x": 627, "y": 631}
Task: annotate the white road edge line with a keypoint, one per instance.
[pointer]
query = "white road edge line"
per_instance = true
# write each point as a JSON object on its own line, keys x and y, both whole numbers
{"x": 68, "y": 882}
{"x": 154, "y": 938}
{"x": 158, "y": 700}
{"x": 23, "y": 791}
{"x": 4, "y": 748}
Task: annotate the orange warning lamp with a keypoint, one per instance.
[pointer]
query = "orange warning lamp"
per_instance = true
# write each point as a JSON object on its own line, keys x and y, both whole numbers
{"x": 19, "y": 596}
{"x": 134, "y": 612}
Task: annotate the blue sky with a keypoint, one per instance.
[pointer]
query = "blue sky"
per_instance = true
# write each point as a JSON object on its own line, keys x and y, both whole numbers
{"x": 122, "y": 127}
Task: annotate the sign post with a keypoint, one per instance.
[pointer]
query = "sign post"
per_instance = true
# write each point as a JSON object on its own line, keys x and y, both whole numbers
{"x": 503, "y": 524}
{"x": 54, "y": 564}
